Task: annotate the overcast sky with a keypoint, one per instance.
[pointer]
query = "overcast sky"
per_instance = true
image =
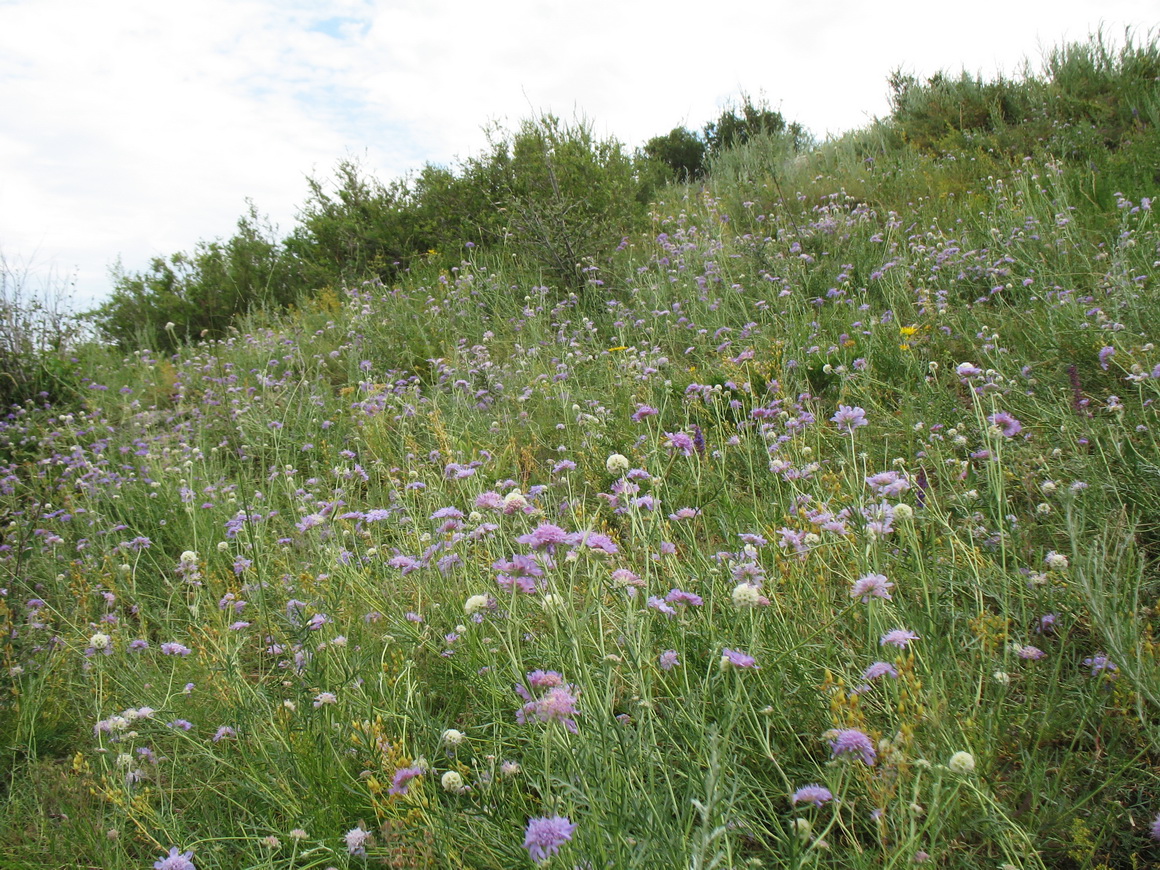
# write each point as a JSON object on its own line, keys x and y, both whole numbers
{"x": 133, "y": 128}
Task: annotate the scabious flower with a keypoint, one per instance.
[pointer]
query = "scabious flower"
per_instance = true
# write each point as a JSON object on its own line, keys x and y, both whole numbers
{"x": 558, "y": 704}
{"x": 617, "y": 463}
{"x": 680, "y": 597}
{"x": 452, "y": 781}
{"x": 401, "y": 781}
{"x": 849, "y": 418}
{"x": 546, "y": 835}
{"x": 175, "y": 649}
{"x": 851, "y": 741}
{"x": 356, "y": 841}
{"x": 746, "y": 595}
{"x": 546, "y": 536}
{"x": 175, "y": 861}
{"x": 668, "y": 660}
{"x": 899, "y": 637}
{"x": 962, "y": 763}
{"x": 737, "y": 659}
{"x": 1100, "y": 664}
{"x": 1156, "y": 828}
{"x": 453, "y": 737}
{"x": 878, "y": 670}
{"x": 476, "y": 603}
{"x": 1007, "y": 425}
{"x": 681, "y": 442}
{"x": 1055, "y": 561}
{"x": 871, "y": 586}
{"x": 812, "y": 794}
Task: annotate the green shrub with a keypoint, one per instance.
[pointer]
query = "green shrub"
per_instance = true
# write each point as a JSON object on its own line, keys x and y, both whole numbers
{"x": 569, "y": 197}
{"x": 37, "y": 332}
{"x": 200, "y": 293}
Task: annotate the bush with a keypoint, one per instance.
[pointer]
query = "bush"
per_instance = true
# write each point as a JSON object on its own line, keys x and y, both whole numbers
{"x": 569, "y": 197}
{"x": 681, "y": 151}
{"x": 36, "y": 334}
{"x": 737, "y": 125}
{"x": 201, "y": 293}
{"x": 362, "y": 230}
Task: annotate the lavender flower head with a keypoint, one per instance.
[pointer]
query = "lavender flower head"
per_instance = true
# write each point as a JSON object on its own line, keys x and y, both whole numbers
{"x": 849, "y": 418}
{"x": 356, "y": 841}
{"x": 899, "y": 637}
{"x": 812, "y": 794}
{"x": 546, "y": 835}
{"x": 401, "y": 781}
{"x": 737, "y": 659}
{"x": 878, "y": 670}
{"x": 851, "y": 741}
{"x": 1007, "y": 425}
{"x": 175, "y": 861}
{"x": 871, "y": 586}
{"x": 546, "y": 536}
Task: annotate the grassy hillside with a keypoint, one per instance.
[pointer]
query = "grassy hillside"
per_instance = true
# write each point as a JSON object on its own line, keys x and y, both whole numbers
{"x": 812, "y": 524}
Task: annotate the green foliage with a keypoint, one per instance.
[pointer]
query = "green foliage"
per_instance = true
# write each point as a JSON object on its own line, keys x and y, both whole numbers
{"x": 38, "y": 332}
{"x": 681, "y": 151}
{"x": 737, "y": 125}
{"x": 198, "y": 294}
{"x": 569, "y": 197}
{"x": 1092, "y": 105}
{"x": 362, "y": 229}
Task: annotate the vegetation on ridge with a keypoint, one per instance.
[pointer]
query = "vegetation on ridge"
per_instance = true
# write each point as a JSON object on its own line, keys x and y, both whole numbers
{"x": 800, "y": 513}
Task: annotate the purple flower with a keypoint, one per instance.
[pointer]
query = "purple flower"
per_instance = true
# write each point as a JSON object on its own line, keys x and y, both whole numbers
{"x": 668, "y": 660}
{"x": 545, "y": 679}
{"x": 851, "y": 741}
{"x": 175, "y": 649}
{"x": 878, "y": 670}
{"x": 678, "y": 596}
{"x": 401, "y": 781}
{"x": 1156, "y": 828}
{"x": 968, "y": 370}
{"x": 546, "y": 835}
{"x": 643, "y": 411}
{"x": 1106, "y": 352}
{"x": 812, "y": 794}
{"x": 594, "y": 541}
{"x": 356, "y": 841}
{"x": 1005, "y": 423}
{"x": 657, "y": 604}
{"x": 681, "y": 442}
{"x": 736, "y": 658}
{"x": 848, "y": 419}
{"x": 1100, "y": 664}
{"x": 175, "y": 861}
{"x": 899, "y": 637}
{"x": 1029, "y": 652}
{"x": 871, "y": 585}
{"x": 546, "y": 536}
{"x": 558, "y": 704}
{"x": 224, "y": 732}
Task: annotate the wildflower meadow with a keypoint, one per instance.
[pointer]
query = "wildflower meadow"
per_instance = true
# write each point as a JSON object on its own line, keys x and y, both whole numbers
{"x": 813, "y": 522}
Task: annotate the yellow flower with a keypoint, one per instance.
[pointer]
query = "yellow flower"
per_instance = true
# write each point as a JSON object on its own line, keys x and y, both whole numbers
{"x": 908, "y": 330}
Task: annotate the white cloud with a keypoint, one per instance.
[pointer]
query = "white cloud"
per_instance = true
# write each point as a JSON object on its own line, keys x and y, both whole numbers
{"x": 136, "y": 128}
